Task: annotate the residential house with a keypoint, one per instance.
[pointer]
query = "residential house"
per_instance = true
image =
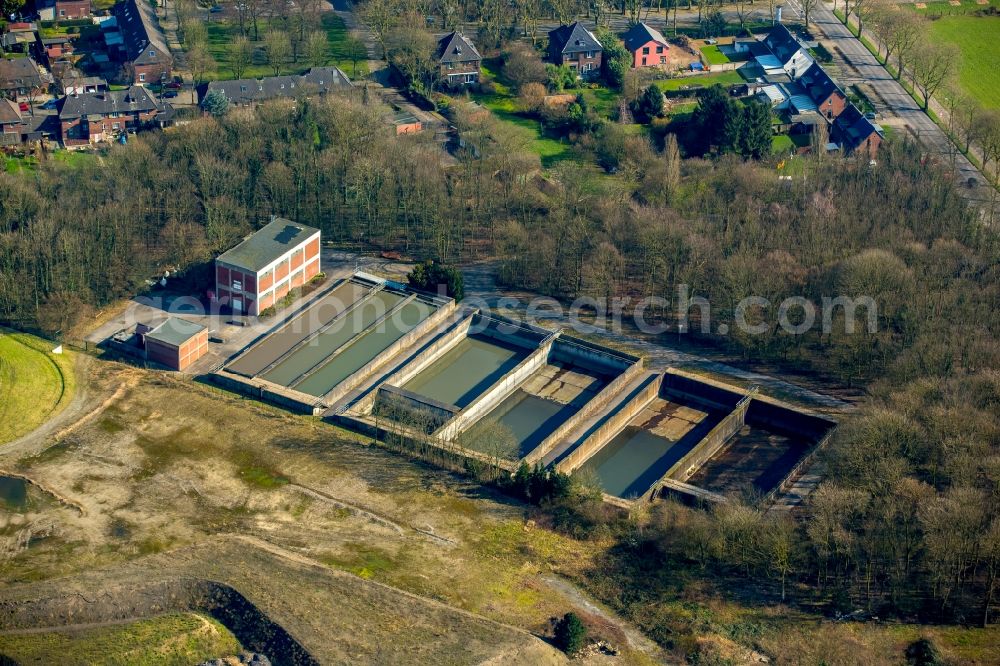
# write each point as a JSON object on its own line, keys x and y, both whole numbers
{"x": 243, "y": 92}
{"x": 102, "y": 116}
{"x": 139, "y": 43}
{"x": 458, "y": 59}
{"x": 19, "y": 37}
{"x": 648, "y": 47}
{"x": 780, "y": 53}
{"x": 577, "y": 48}
{"x": 856, "y": 134}
{"x": 20, "y": 78}
{"x": 829, "y": 98}
{"x": 62, "y": 10}
{"x": 12, "y": 124}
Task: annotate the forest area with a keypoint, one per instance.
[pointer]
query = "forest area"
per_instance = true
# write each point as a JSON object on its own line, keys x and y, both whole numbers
{"x": 908, "y": 521}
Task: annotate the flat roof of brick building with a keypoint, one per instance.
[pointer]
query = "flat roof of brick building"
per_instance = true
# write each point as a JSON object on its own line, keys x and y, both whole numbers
{"x": 265, "y": 246}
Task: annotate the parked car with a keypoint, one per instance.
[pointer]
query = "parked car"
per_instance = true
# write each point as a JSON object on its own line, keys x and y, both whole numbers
{"x": 170, "y": 94}
{"x": 174, "y": 85}
{"x": 215, "y": 9}
{"x": 871, "y": 115}
{"x": 50, "y": 104}
{"x": 24, "y": 106}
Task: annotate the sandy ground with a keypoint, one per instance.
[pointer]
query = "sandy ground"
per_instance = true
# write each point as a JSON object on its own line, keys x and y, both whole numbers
{"x": 154, "y": 463}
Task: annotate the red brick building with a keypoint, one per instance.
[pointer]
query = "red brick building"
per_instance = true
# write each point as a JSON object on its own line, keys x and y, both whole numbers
{"x": 60, "y": 10}
{"x": 648, "y": 47}
{"x": 458, "y": 59}
{"x": 176, "y": 343}
{"x": 577, "y": 48}
{"x": 101, "y": 116}
{"x": 143, "y": 50}
{"x": 266, "y": 266}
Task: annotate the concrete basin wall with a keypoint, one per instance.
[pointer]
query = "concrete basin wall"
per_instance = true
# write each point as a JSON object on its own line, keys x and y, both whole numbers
{"x": 443, "y": 311}
{"x": 268, "y": 392}
{"x": 646, "y": 393}
{"x": 497, "y": 393}
{"x": 432, "y": 353}
{"x": 711, "y": 443}
{"x": 705, "y": 393}
{"x": 588, "y": 355}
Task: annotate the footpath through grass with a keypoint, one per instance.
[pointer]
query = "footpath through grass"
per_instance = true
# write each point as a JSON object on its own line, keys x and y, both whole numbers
{"x": 175, "y": 638}
{"x": 34, "y": 383}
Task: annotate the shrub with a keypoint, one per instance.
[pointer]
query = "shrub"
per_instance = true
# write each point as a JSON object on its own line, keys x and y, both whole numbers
{"x": 522, "y": 66}
{"x": 570, "y": 633}
{"x": 431, "y": 276}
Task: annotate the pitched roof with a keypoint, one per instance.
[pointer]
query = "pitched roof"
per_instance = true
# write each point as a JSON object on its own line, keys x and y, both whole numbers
{"x": 19, "y": 73}
{"x": 641, "y": 34}
{"x": 141, "y": 31}
{"x": 818, "y": 84}
{"x": 174, "y": 331}
{"x": 782, "y": 43}
{"x": 317, "y": 79}
{"x": 851, "y": 128}
{"x": 263, "y": 247}
{"x": 9, "y": 112}
{"x": 135, "y": 98}
{"x": 456, "y": 47}
{"x": 572, "y": 39}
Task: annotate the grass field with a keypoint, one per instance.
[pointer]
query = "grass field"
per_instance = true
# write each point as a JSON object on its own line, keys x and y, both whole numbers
{"x": 176, "y": 638}
{"x": 29, "y": 163}
{"x": 723, "y": 78}
{"x": 979, "y": 40}
{"x": 713, "y": 55}
{"x": 34, "y": 384}
{"x": 222, "y": 33}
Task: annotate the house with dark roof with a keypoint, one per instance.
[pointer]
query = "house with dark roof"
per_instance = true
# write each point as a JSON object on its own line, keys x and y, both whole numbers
{"x": 12, "y": 125}
{"x": 647, "y": 45}
{"x": 21, "y": 78}
{"x": 856, "y": 134}
{"x": 782, "y": 54}
{"x": 317, "y": 81}
{"x": 458, "y": 59}
{"x": 577, "y": 48}
{"x": 102, "y": 116}
{"x": 138, "y": 43}
{"x": 829, "y": 98}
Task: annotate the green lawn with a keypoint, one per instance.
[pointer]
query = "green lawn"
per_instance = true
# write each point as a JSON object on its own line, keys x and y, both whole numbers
{"x": 979, "y": 40}
{"x": 782, "y": 144}
{"x": 713, "y": 55}
{"x": 222, "y": 33}
{"x": 723, "y": 78}
{"x": 175, "y": 638}
{"x": 548, "y": 149}
{"x": 34, "y": 383}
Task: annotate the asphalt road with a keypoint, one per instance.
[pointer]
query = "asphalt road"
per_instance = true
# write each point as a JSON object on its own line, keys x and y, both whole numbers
{"x": 857, "y": 64}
